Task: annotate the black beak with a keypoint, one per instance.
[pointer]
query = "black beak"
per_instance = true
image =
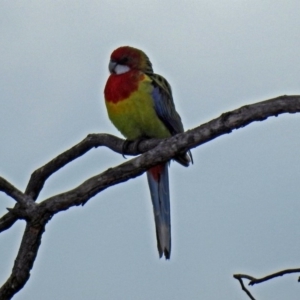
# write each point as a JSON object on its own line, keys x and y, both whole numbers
{"x": 111, "y": 66}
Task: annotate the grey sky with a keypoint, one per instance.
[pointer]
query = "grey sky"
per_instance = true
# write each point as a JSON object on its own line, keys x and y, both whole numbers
{"x": 236, "y": 210}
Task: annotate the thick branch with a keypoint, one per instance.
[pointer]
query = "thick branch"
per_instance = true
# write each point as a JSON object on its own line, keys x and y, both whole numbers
{"x": 26, "y": 256}
{"x": 12, "y": 191}
{"x": 25, "y": 206}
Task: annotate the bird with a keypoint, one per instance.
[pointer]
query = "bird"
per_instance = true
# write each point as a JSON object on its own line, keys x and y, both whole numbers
{"x": 140, "y": 105}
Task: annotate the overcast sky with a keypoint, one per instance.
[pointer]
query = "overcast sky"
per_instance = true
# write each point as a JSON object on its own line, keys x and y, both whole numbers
{"x": 236, "y": 210}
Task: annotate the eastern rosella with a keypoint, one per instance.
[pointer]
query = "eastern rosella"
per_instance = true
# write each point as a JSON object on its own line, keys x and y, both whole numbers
{"x": 140, "y": 104}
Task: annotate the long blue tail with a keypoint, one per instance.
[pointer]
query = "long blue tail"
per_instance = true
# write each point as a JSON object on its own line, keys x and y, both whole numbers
{"x": 158, "y": 180}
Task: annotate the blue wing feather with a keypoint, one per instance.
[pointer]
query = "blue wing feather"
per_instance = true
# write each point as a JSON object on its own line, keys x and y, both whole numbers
{"x": 164, "y": 104}
{"x": 165, "y": 108}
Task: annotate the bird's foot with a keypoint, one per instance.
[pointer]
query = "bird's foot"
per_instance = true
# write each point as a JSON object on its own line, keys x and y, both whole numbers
{"x": 135, "y": 143}
{"x": 125, "y": 146}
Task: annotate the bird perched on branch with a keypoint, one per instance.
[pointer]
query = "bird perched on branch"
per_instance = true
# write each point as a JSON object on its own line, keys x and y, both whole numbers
{"x": 140, "y": 104}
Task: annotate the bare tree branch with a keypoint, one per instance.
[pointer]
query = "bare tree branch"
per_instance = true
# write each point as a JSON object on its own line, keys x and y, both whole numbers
{"x": 39, "y": 177}
{"x": 254, "y": 280}
{"x": 37, "y": 215}
{"x": 13, "y": 192}
{"x": 239, "y": 278}
{"x": 25, "y": 205}
{"x": 26, "y": 256}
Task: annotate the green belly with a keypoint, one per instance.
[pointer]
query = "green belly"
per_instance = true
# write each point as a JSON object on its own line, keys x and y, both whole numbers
{"x": 135, "y": 117}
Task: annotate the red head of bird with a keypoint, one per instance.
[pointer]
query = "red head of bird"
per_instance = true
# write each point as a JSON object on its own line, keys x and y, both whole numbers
{"x": 127, "y": 58}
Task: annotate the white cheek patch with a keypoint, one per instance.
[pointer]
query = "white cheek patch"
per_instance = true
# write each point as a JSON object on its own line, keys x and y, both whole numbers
{"x": 120, "y": 69}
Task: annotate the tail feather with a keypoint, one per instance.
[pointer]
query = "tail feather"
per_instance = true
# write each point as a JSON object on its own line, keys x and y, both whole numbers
{"x": 158, "y": 180}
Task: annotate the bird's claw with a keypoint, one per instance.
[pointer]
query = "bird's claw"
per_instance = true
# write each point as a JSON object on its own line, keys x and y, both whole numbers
{"x": 135, "y": 146}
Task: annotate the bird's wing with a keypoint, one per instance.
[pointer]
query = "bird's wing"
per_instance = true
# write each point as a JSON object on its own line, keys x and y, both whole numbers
{"x": 164, "y": 104}
{"x": 166, "y": 111}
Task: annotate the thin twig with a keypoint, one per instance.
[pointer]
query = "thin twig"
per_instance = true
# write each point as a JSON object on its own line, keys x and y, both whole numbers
{"x": 254, "y": 280}
{"x": 239, "y": 278}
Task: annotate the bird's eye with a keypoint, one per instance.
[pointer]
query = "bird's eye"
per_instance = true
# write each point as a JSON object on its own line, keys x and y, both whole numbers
{"x": 123, "y": 60}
